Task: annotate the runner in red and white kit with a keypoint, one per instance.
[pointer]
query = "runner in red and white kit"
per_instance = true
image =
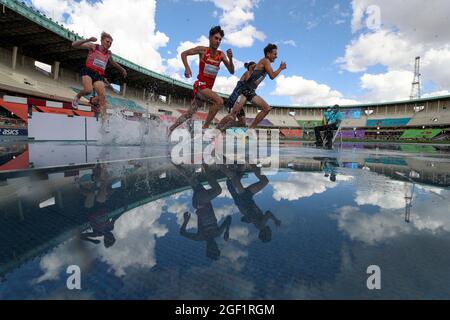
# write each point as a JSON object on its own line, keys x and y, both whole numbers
{"x": 92, "y": 75}
{"x": 210, "y": 60}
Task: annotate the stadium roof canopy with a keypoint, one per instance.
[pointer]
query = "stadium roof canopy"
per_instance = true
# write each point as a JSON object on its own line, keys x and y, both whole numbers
{"x": 43, "y": 39}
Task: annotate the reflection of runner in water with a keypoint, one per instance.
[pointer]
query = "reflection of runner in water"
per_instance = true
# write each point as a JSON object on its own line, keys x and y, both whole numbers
{"x": 96, "y": 190}
{"x": 328, "y": 166}
{"x": 102, "y": 226}
{"x": 243, "y": 198}
{"x": 207, "y": 224}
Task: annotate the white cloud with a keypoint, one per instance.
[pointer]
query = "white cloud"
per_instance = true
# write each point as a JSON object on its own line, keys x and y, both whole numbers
{"x": 427, "y": 215}
{"x": 235, "y": 19}
{"x": 413, "y": 18}
{"x": 178, "y": 207}
{"x": 382, "y": 47}
{"x": 138, "y": 41}
{"x": 223, "y": 212}
{"x": 225, "y": 84}
{"x": 371, "y": 228}
{"x": 245, "y": 37}
{"x": 436, "y": 94}
{"x": 428, "y": 212}
{"x": 54, "y": 9}
{"x": 303, "y": 185}
{"x": 136, "y": 232}
{"x": 436, "y": 66}
{"x": 235, "y": 257}
{"x": 176, "y": 64}
{"x": 241, "y": 234}
{"x": 61, "y": 257}
{"x": 395, "y": 43}
{"x": 393, "y": 85}
{"x": 382, "y": 193}
{"x": 308, "y": 92}
{"x": 290, "y": 43}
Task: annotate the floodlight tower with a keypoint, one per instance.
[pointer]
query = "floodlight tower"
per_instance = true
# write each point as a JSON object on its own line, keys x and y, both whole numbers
{"x": 409, "y": 194}
{"x": 415, "y": 88}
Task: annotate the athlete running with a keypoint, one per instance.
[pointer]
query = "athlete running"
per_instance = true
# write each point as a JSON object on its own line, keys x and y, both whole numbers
{"x": 261, "y": 70}
{"x": 93, "y": 73}
{"x": 235, "y": 98}
{"x": 210, "y": 59}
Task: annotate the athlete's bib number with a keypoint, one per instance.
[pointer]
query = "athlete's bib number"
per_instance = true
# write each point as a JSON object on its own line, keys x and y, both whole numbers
{"x": 211, "y": 70}
{"x": 99, "y": 63}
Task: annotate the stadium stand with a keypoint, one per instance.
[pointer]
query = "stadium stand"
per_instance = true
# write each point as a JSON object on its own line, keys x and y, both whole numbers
{"x": 420, "y": 134}
{"x": 388, "y": 122}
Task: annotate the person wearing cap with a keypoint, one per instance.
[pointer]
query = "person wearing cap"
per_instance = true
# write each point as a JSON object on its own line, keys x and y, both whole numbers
{"x": 332, "y": 121}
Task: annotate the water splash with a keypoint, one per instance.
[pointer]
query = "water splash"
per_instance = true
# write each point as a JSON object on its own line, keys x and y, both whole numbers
{"x": 121, "y": 130}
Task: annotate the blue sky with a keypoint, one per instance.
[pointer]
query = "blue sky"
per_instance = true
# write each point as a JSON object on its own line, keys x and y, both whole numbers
{"x": 316, "y": 50}
{"x": 333, "y": 51}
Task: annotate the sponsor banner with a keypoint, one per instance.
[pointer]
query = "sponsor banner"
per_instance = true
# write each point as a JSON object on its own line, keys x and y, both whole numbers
{"x": 11, "y": 132}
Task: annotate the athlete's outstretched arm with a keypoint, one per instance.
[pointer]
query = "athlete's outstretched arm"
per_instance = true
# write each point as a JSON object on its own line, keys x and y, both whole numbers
{"x": 228, "y": 61}
{"x": 273, "y": 74}
{"x": 84, "y": 44}
{"x": 190, "y": 52}
{"x": 118, "y": 67}
{"x": 184, "y": 233}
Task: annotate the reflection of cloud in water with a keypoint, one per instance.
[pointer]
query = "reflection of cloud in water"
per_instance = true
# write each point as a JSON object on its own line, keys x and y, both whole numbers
{"x": 224, "y": 211}
{"x": 55, "y": 262}
{"x": 241, "y": 234}
{"x": 178, "y": 207}
{"x": 186, "y": 193}
{"x": 387, "y": 194}
{"x": 427, "y": 215}
{"x": 413, "y": 267}
{"x": 234, "y": 256}
{"x": 136, "y": 232}
{"x": 371, "y": 228}
{"x": 225, "y": 193}
{"x": 302, "y": 185}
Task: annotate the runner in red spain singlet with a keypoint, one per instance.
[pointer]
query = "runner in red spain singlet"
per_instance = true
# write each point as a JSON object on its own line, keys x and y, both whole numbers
{"x": 208, "y": 70}
{"x": 210, "y": 59}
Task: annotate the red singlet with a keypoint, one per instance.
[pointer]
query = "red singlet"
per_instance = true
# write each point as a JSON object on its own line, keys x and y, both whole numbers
{"x": 209, "y": 68}
{"x": 97, "y": 60}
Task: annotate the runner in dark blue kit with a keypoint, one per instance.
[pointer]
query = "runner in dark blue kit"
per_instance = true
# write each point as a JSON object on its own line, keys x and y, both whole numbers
{"x": 248, "y": 93}
{"x": 243, "y": 198}
{"x": 235, "y": 98}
